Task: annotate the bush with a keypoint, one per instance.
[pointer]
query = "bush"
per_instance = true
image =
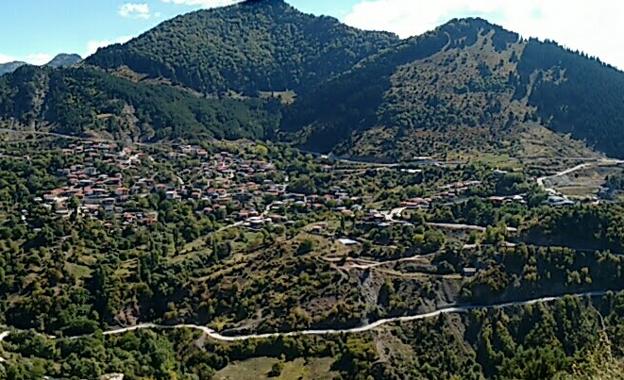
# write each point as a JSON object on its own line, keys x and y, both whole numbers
{"x": 276, "y": 369}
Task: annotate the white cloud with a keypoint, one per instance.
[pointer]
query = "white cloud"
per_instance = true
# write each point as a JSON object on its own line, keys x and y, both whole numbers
{"x": 135, "y": 10}
{"x": 203, "y": 3}
{"x": 34, "y": 58}
{"x": 94, "y": 45}
{"x": 38, "y": 58}
{"x": 595, "y": 27}
{"x": 6, "y": 58}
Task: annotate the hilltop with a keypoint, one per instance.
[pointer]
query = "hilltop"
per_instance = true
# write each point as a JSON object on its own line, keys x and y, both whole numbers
{"x": 64, "y": 60}
{"x": 245, "y": 48}
{"x": 468, "y": 85}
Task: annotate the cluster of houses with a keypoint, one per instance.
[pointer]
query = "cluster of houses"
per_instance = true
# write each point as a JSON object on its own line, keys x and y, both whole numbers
{"x": 219, "y": 180}
{"x": 107, "y": 176}
{"x": 216, "y": 181}
{"x": 452, "y": 191}
{"x": 88, "y": 190}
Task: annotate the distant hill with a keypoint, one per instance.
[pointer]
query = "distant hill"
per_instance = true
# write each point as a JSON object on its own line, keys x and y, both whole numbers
{"x": 64, "y": 60}
{"x": 259, "y": 45}
{"x": 9, "y": 67}
{"x": 61, "y": 60}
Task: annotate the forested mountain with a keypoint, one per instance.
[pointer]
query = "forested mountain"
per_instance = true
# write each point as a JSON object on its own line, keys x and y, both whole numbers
{"x": 449, "y": 86}
{"x": 466, "y": 85}
{"x": 253, "y": 46}
{"x": 86, "y": 100}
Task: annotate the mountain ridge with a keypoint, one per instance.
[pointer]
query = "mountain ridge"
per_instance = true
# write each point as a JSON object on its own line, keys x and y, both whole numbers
{"x": 468, "y": 85}
{"x": 247, "y": 47}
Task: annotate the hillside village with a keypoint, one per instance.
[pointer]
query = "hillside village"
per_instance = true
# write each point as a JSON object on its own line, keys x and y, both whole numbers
{"x": 107, "y": 180}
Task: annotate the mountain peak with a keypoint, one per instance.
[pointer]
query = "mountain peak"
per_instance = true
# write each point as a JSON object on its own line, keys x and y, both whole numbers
{"x": 265, "y": 2}
{"x": 473, "y": 23}
{"x": 254, "y": 46}
{"x": 9, "y": 67}
{"x": 63, "y": 60}
{"x": 471, "y": 20}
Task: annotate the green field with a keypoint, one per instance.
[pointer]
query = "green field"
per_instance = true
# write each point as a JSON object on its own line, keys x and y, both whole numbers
{"x": 260, "y": 368}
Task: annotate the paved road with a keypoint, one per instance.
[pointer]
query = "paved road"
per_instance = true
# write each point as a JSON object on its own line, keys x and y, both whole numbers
{"x": 366, "y": 327}
{"x": 395, "y": 213}
{"x": 362, "y": 263}
{"x": 601, "y": 162}
{"x": 464, "y": 227}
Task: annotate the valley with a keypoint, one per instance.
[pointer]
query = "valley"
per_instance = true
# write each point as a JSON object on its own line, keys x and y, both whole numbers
{"x": 250, "y": 191}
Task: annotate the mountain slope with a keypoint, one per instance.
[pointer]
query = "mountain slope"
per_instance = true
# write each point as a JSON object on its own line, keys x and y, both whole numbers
{"x": 575, "y": 95}
{"x": 9, "y": 67}
{"x": 468, "y": 85}
{"x": 258, "y": 45}
{"x": 85, "y": 100}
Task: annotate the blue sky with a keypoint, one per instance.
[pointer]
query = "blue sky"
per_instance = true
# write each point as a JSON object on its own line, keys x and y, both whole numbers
{"x": 36, "y": 30}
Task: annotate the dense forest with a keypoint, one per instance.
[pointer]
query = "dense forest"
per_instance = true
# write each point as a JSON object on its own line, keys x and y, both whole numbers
{"x": 79, "y": 100}
{"x": 575, "y": 94}
{"x": 253, "y": 46}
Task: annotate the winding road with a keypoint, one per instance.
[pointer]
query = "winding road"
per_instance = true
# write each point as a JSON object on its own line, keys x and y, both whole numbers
{"x": 366, "y": 327}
